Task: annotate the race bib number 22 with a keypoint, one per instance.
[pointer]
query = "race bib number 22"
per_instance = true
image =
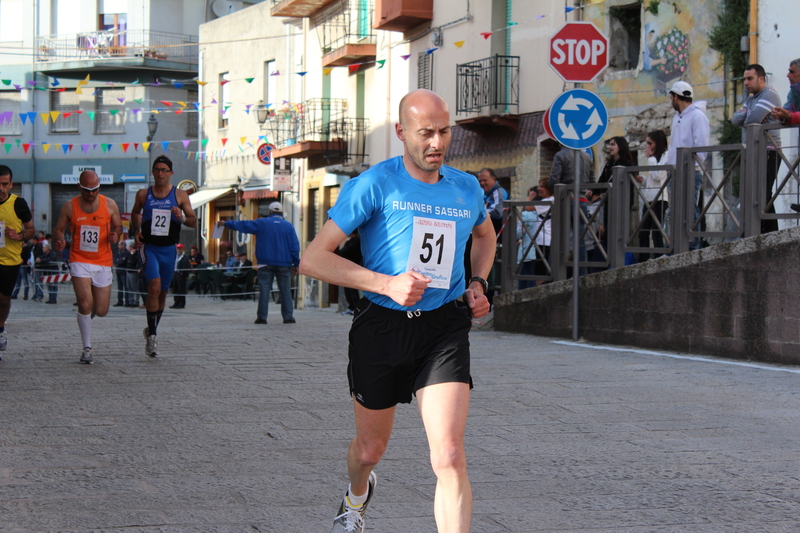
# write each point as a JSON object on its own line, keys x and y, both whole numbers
{"x": 159, "y": 225}
{"x": 433, "y": 250}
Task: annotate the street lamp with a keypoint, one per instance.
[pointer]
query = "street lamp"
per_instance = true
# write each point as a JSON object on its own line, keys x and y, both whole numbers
{"x": 152, "y": 126}
{"x": 261, "y": 112}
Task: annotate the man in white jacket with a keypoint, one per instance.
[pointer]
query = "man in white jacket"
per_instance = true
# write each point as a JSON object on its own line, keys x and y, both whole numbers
{"x": 689, "y": 128}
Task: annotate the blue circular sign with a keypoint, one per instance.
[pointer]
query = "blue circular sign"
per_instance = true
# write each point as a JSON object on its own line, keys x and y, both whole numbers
{"x": 578, "y": 119}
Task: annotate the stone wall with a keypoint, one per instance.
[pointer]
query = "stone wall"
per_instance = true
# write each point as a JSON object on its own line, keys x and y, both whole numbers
{"x": 738, "y": 300}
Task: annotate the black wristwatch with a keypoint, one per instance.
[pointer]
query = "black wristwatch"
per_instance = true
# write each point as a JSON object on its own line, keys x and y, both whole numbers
{"x": 483, "y": 282}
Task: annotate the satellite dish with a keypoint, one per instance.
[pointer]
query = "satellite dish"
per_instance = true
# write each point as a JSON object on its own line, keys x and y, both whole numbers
{"x": 223, "y": 7}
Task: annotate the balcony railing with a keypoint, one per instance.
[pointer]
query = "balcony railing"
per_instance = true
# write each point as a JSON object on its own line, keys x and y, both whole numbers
{"x": 297, "y": 8}
{"x": 346, "y": 22}
{"x": 491, "y": 83}
{"x": 117, "y": 44}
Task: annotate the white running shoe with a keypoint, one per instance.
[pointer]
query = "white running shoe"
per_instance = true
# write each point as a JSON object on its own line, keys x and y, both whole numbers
{"x": 350, "y": 520}
{"x": 151, "y": 348}
{"x": 86, "y": 356}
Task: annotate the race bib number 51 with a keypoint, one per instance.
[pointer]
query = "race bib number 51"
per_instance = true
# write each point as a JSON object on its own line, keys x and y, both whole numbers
{"x": 433, "y": 249}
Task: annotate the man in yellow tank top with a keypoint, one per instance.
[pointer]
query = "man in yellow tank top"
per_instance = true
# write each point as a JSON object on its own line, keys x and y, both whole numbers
{"x": 95, "y": 226}
{"x": 16, "y": 226}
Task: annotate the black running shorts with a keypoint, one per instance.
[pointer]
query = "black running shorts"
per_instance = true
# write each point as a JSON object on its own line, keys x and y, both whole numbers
{"x": 8, "y": 278}
{"x": 393, "y": 353}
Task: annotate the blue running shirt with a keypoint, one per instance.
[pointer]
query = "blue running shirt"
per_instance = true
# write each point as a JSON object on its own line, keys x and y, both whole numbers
{"x": 407, "y": 224}
{"x": 159, "y": 225}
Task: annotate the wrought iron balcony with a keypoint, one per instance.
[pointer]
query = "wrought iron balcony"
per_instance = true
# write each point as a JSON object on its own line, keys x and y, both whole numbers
{"x": 111, "y": 45}
{"x": 489, "y": 86}
{"x": 345, "y": 32}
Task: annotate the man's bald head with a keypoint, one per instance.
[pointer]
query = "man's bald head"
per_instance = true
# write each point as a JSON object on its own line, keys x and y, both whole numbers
{"x": 88, "y": 179}
{"x": 419, "y": 102}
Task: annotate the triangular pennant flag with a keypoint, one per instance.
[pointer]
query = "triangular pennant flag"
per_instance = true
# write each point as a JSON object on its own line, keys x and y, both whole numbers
{"x": 196, "y": 106}
{"x": 145, "y": 146}
{"x": 223, "y": 82}
{"x": 70, "y": 147}
{"x": 213, "y": 100}
{"x": 136, "y": 146}
{"x": 353, "y": 68}
{"x": 201, "y": 83}
{"x": 177, "y": 85}
{"x": 121, "y": 100}
{"x": 23, "y": 117}
{"x": 486, "y": 34}
{"x": 204, "y": 142}
{"x": 65, "y": 148}
{"x": 242, "y": 140}
{"x": 249, "y": 80}
{"x": 301, "y": 73}
{"x": 8, "y": 146}
{"x": 569, "y": 9}
{"x": 44, "y": 117}
{"x": 405, "y": 57}
{"x": 240, "y": 149}
{"x": 31, "y": 116}
{"x": 54, "y": 115}
{"x": 380, "y": 63}
{"x": 2, "y": 140}
{"x": 135, "y": 82}
{"x": 459, "y": 44}
{"x": 134, "y": 111}
{"x": 85, "y": 148}
{"x": 168, "y": 104}
{"x": 67, "y": 115}
{"x": 224, "y": 141}
{"x": 104, "y": 147}
{"x": 113, "y": 111}
{"x": 78, "y": 90}
{"x": 327, "y": 71}
{"x": 55, "y": 82}
{"x": 276, "y": 73}
{"x": 164, "y": 146}
{"x": 61, "y": 90}
{"x": 18, "y": 87}
{"x": 138, "y": 100}
{"x": 6, "y": 82}
{"x": 429, "y": 51}
{"x": 156, "y": 84}
{"x": 91, "y": 114}
{"x": 185, "y": 143}
{"x": 25, "y": 147}
{"x": 512, "y": 23}
{"x": 46, "y": 147}
{"x": 32, "y": 83}
{"x": 125, "y": 147}
{"x": 57, "y": 147}
{"x": 87, "y": 78}
{"x": 178, "y": 111}
{"x": 182, "y": 104}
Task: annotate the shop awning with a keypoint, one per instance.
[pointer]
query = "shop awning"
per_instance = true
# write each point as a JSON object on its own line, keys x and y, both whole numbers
{"x": 258, "y": 193}
{"x": 204, "y": 196}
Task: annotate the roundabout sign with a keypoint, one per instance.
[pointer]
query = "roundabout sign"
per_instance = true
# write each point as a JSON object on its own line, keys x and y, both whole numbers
{"x": 578, "y": 119}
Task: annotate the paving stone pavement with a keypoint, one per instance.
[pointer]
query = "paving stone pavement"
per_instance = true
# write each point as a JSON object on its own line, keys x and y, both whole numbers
{"x": 243, "y": 428}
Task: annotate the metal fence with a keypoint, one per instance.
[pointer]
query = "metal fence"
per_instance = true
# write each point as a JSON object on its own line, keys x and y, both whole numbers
{"x": 345, "y": 22}
{"x": 117, "y": 44}
{"x": 492, "y": 82}
{"x": 714, "y": 194}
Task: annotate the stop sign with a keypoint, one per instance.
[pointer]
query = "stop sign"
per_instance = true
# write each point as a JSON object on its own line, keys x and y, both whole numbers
{"x": 578, "y": 52}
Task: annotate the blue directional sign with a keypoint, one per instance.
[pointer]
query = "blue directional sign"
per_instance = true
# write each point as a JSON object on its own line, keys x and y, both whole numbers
{"x": 578, "y": 119}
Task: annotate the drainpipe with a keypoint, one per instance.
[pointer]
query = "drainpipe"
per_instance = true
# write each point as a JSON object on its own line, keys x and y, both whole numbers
{"x": 33, "y": 108}
{"x": 753, "y": 31}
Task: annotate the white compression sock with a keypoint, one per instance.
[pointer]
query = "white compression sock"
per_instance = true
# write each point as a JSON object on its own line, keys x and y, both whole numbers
{"x": 85, "y": 325}
{"x": 356, "y": 501}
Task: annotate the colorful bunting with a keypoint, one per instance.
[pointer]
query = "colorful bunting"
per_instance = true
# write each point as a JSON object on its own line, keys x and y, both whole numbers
{"x": 486, "y": 34}
{"x": 459, "y": 44}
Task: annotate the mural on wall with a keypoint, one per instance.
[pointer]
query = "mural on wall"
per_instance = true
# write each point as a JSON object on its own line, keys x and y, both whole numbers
{"x": 666, "y": 56}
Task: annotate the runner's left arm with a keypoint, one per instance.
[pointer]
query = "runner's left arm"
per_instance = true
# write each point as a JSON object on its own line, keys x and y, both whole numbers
{"x": 115, "y": 231}
{"x": 484, "y": 245}
{"x": 185, "y": 209}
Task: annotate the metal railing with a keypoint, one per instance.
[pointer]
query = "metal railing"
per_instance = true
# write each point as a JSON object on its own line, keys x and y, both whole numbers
{"x": 733, "y": 201}
{"x": 492, "y": 82}
{"x": 117, "y": 44}
{"x": 345, "y": 22}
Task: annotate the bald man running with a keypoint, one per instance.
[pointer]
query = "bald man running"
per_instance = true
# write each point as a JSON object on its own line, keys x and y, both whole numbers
{"x": 95, "y": 226}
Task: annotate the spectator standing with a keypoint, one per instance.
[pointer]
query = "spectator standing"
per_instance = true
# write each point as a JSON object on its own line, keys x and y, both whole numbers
{"x": 278, "y": 256}
{"x": 16, "y": 225}
{"x": 36, "y": 253}
{"x": 410, "y": 335}
{"x": 793, "y": 98}
{"x": 182, "y": 267}
{"x": 650, "y": 185}
{"x": 133, "y": 269}
{"x": 120, "y": 265}
{"x": 690, "y": 128}
{"x": 619, "y": 154}
{"x": 24, "y": 276}
{"x": 95, "y": 226}
{"x": 48, "y": 265}
{"x": 542, "y": 267}
{"x": 757, "y": 109}
{"x": 527, "y": 225}
{"x": 493, "y": 196}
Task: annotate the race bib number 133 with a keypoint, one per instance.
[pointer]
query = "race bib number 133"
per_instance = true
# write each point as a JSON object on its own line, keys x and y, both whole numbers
{"x": 433, "y": 249}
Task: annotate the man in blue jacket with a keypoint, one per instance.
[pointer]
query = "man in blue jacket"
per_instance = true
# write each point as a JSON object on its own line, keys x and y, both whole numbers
{"x": 278, "y": 255}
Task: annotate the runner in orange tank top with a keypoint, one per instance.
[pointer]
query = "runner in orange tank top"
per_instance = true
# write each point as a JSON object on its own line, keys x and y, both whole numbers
{"x": 95, "y": 224}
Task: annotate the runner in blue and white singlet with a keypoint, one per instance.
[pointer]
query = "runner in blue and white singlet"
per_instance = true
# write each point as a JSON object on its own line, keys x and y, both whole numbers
{"x": 407, "y": 224}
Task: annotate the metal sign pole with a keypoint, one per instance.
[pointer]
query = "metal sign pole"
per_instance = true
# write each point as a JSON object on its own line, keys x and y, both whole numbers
{"x": 576, "y": 237}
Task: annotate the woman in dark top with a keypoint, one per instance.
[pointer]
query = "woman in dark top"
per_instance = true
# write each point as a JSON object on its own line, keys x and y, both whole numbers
{"x": 619, "y": 154}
